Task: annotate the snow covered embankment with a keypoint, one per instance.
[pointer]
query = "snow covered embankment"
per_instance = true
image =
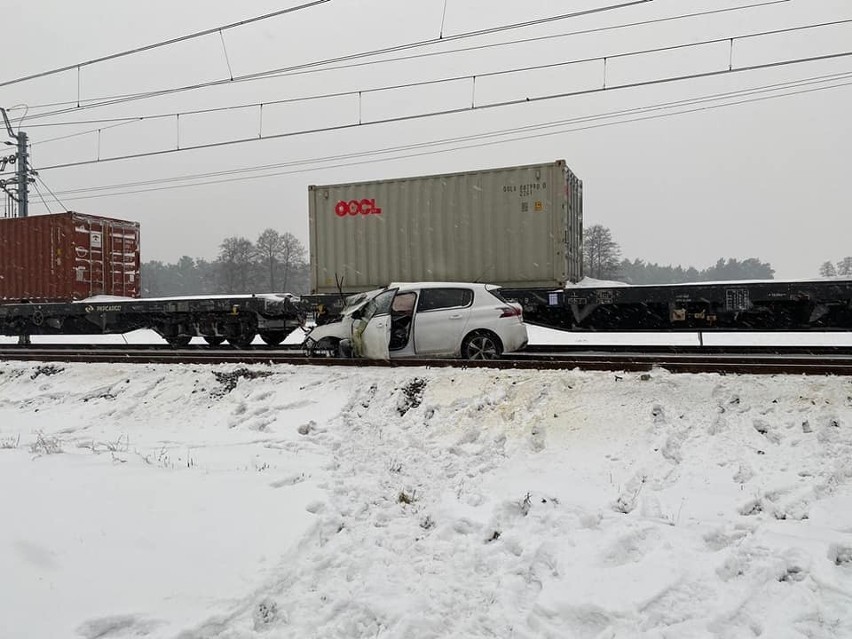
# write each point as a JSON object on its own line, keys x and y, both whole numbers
{"x": 347, "y": 503}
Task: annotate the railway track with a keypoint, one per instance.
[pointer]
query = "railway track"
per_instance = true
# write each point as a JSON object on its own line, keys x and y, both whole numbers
{"x": 761, "y": 361}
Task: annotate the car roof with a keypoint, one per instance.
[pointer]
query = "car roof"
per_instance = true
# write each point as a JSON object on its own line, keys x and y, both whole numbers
{"x": 407, "y": 286}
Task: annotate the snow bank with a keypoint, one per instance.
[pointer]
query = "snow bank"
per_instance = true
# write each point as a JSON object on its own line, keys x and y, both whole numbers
{"x": 192, "y": 501}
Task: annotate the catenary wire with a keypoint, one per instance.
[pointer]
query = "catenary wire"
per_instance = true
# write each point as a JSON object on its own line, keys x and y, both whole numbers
{"x": 558, "y": 123}
{"x": 121, "y": 122}
{"x": 130, "y": 119}
{"x": 44, "y": 184}
{"x": 162, "y": 43}
{"x": 364, "y": 157}
{"x": 260, "y": 75}
{"x": 466, "y": 109}
{"x": 448, "y": 150}
{"x": 300, "y": 70}
{"x": 41, "y": 197}
{"x": 478, "y": 76}
{"x": 297, "y": 72}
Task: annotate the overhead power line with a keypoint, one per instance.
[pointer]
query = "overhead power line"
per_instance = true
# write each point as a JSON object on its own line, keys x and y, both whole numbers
{"x": 41, "y": 197}
{"x": 162, "y": 43}
{"x": 44, "y": 184}
{"x": 731, "y": 70}
{"x": 320, "y": 66}
{"x": 684, "y": 106}
{"x": 554, "y": 36}
{"x": 406, "y": 85}
{"x": 260, "y": 75}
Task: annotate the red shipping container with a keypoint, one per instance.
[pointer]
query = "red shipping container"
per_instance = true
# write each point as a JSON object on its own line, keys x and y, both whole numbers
{"x": 68, "y": 256}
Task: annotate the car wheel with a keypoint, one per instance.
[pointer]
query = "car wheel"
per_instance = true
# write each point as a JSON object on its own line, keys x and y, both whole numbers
{"x": 214, "y": 340}
{"x": 481, "y": 345}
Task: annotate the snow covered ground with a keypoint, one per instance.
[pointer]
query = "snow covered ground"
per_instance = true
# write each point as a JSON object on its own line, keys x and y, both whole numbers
{"x": 223, "y": 501}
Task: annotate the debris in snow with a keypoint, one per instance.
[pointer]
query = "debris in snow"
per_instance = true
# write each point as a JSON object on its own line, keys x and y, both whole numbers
{"x": 526, "y": 504}
{"x": 752, "y": 507}
{"x": 47, "y": 371}
{"x": 305, "y": 429}
{"x": 765, "y": 428}
{"x": 841, "y": 555}
{"x": 230, "y": 379}
{"x": 412, "y": 395}
{"x": 265, "y": 613}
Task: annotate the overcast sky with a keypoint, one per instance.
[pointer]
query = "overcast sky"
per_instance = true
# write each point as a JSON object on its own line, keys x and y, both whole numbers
{"x": 765, "y": 179}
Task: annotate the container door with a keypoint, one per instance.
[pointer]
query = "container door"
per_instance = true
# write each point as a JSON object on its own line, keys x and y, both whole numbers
{"x": 374, "y": 326}
{"x": 115, "y": 258}
{"x": 97, "y": 256}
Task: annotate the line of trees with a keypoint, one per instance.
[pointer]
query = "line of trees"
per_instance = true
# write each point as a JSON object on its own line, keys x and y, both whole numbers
{"x": 603, "y": 261}
{"x": 843, "y": 268}
{"x": 277, "y": 263}
{"x": 274, "y": 263}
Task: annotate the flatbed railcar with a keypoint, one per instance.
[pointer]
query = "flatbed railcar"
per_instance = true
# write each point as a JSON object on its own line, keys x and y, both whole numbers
{"x": 237, "y": 319}
{"x": 820, "y": 305}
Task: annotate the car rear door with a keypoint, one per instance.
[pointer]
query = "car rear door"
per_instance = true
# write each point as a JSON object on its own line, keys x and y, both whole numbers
{"x": 374, "y": 327}
{"x": 441, "y": 318}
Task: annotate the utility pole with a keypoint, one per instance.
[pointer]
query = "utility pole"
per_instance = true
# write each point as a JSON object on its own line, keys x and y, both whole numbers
{"x": 21, "y": 195}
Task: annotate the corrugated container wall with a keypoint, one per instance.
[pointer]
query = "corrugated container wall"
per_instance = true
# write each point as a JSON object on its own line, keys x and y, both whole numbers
{"x": 520, "y": 227}
{"x": 68, "y": 256}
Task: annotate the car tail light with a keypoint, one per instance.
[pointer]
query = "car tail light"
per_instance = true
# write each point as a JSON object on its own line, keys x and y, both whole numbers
{"x": 510, "y": 311}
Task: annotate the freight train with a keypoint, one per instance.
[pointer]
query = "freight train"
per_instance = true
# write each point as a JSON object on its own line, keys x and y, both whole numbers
{"x": 520, "y": 227}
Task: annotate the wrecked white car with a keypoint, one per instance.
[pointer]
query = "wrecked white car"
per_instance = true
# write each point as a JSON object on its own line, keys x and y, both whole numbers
{"x": 439, "y": 319}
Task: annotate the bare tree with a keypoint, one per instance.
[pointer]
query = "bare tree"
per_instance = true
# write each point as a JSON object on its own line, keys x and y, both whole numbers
{"x": 827, "y": 270}
{"x": 844, "y": 267}
{"x": 269, "y": 250}
{"x": 600, "y": 253}
{"x": 235, "y": 263}
{"x": 292, "y": 257}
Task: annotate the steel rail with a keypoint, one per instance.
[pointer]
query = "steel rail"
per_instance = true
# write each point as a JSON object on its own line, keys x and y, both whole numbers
{"x": 757, "y": 364}
{"x": 532, "y": 349}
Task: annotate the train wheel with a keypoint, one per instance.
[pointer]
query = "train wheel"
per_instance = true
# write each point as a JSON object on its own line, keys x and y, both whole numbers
{"x": 214, "y": 340}
{"x": 272, "y": 338}
{"x": 243, "y": 340}
{"x": 179, "y": 341}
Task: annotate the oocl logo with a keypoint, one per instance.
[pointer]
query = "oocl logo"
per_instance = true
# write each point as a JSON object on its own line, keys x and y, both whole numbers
{"x": 357, "y": 207}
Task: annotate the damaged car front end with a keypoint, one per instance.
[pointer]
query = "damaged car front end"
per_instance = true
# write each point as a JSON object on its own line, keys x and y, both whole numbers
{"x": 340, "y": 337}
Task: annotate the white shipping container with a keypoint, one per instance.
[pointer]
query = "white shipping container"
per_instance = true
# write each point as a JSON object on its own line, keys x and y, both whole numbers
{"x": 520, "y": 227}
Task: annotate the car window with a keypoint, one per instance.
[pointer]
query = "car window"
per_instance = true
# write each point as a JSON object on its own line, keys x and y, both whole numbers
{"x": 403, "y": 304}
{"x": 432, "y": 299}
{"x": 379, "y": 305}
